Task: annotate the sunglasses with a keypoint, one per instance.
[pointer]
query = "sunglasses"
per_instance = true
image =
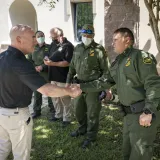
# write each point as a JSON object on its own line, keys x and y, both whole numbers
{"x": 88, "y": 31}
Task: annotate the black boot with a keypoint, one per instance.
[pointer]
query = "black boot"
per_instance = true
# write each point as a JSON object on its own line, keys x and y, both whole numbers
{"x": 54, "y": 119}
{"x": 87, "y": 143}
{"x": 65, "y": 124}
{"x": 36, "y": 115}
{"x": 76, "y": 134}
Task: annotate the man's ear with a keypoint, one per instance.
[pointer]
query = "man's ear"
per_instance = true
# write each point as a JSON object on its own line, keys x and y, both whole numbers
{"x": 127, "y": 40}
{"x": 18, "y": 39}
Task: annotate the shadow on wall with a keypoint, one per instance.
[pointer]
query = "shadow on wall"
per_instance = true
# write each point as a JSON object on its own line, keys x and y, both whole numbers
{"x": 146, "y": 48}
{"x": 67, "y": 11}
{"x": 120, "y": 13}
{"x": 101, "y": 42}
{"x": 23, "y": 12}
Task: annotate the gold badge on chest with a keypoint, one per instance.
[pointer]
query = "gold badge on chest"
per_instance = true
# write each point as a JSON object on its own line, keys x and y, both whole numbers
{"x": 128, "y": 62}
{"x": 91, "y": 53}
{"x": 46, "y": 49}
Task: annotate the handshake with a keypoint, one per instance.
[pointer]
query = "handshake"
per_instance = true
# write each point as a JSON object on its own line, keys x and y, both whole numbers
{"x": 73, "y": 90}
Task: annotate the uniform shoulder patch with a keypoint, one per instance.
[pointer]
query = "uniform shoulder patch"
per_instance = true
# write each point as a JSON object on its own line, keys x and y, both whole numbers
{"x": 102, "y": 49}
{"x": 147, "y": 58}
{"x": 46, "y": 49}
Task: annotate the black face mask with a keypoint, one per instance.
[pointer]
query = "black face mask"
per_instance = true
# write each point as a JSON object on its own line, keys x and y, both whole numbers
{"x": 55, "y": 41}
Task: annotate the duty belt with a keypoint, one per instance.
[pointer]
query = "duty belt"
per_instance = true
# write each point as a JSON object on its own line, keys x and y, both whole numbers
{"x": 78, "y": 81}
{"x": 127, "y": 109}
{"x": 133, "y": 108}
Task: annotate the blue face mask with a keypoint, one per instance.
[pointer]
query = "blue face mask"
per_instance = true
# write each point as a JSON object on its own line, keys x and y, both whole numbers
{"x": 41, "y": 40}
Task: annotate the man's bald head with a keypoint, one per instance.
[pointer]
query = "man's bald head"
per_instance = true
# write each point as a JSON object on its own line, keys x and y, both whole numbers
{"x": 19, "y": 30}
{"x": 23, "y": 38}
{"x": 53, "y": 29}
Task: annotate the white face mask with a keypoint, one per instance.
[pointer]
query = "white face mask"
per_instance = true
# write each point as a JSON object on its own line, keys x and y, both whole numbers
{"x": 40, "y": 40}
{"x": 86, "y": 41}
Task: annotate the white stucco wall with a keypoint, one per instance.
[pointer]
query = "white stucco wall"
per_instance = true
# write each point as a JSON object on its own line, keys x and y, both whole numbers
{"x": 4, "y": 23}
{"x": 55, "y": 18}
{"x": 46, "y": 19}
{"x": 146, "y": 37}
{"x": 22, "y": 11}
{"x": 60, "y": 16}
{"x": 8, "y": 12}
{"x": 99, "y": 21}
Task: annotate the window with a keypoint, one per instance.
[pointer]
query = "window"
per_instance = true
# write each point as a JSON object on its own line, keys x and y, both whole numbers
{"x": 82, "y": 15}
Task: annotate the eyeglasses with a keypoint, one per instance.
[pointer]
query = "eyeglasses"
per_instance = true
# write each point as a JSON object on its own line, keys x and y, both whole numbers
{"x": 88, "y": 31}
{"x": 53, "y": 37}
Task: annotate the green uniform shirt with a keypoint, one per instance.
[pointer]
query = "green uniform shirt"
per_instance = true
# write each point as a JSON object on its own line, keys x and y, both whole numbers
{"x": 88, "y": 63}
{"x": 135, "y": 75}
{"x": 37, "y": 58}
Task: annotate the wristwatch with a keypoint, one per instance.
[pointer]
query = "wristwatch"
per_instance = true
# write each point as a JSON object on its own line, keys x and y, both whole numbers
{"x": 147, "y": 111}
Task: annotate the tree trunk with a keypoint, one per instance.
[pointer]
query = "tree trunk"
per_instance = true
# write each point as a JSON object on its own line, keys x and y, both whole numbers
{"x": 153, "y": 21}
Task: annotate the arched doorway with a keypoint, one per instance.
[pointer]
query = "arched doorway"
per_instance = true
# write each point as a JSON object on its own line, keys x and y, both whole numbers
{"x": 23, "y": 12}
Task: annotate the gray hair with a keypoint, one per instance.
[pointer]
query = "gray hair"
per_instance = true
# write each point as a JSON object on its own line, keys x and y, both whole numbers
{"x": 57, "y": 31}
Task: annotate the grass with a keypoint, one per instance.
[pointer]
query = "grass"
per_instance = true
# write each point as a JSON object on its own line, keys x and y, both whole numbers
{"x": 51, "y": 142}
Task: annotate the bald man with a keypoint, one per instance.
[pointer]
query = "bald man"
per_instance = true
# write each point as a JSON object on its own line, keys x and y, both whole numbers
{"x": 18, "y": 81}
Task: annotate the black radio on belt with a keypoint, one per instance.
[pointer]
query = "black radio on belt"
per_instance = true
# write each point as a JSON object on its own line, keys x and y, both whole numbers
{"x": 133, "y": 108}
{"x": 78, "y": 81}
{"x": 75, "y": 80}
{"x": 137, "y": 107}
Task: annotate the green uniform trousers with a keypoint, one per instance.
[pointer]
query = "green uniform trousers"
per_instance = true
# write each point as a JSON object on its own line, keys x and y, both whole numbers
{"x": 138, "y": 140}
{"x": 87, "y": 110}
{"x": 38, "y": 103}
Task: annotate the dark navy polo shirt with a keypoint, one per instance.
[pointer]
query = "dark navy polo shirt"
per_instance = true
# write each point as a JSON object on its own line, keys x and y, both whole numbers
{"x": 18, "y": 79}
{"x": 61, "y": 52}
